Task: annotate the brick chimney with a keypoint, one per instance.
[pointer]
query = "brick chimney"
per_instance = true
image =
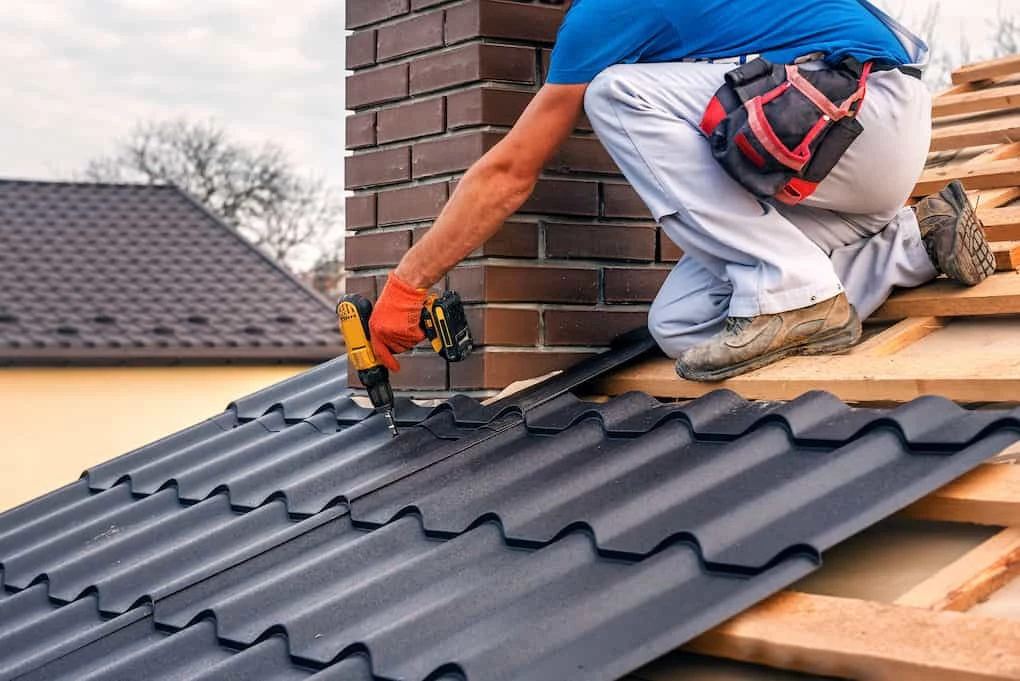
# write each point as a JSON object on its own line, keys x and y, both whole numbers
{"x": 434, "y": 85}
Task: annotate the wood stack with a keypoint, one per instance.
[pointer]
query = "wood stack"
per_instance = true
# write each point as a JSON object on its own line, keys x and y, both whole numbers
{"x": 940, "y": 339}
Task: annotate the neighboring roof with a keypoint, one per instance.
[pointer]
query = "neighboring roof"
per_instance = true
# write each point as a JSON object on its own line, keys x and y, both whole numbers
{"x": 100, "y": 273}
{"x": 540, "y": 537}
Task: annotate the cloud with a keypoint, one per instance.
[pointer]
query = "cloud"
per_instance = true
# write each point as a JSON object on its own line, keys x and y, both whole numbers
{"x": 79, "y": 73}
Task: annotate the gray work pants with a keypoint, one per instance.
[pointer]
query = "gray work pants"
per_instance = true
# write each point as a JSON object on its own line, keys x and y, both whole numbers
{"x": 745, "y": 257}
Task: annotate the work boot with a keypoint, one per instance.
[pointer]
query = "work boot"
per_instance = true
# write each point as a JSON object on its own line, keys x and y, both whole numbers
{"x": 954, "y": 237}
{"x": 749, "y": 343}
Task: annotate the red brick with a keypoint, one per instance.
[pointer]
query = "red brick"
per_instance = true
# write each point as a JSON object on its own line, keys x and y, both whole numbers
{"x": 378, "y": 249}
{"x": 363, "y": 12}
{"x": 411, "y": 204}
{"x": 418, "y": 371}
{"x": 376, "y": 86}
{"x": 590, "y": 327}
{"x": 488, "y": 370}
{"x": 451, "y": 154}
{"x": 668, "y": 251}
{"x": 632, "y": 285}
{"x": 513, "y": 284}
{"x": 513, "y": 240}
{"x": 421, "y": 33}
{"x": 360, "y": 130}
{"x": 360, "y": 211}
{"x": 563, "y": 197}
{"x": 621, "y": 201}
{"x": 501, "y": 19}
{"x": 503, "y": 325}
{"x": 378, "y": 167}
{"x": 492, "y": 105}
{"x": 582, "y": 155}
{"x": 360, "y": 49}
{"x": 486, "y": 106}
{"x": 471, "y": 63}
{"x": 363, "y": 286}
{"x": 416, "y": 119}
{"x": 600, "y": 242}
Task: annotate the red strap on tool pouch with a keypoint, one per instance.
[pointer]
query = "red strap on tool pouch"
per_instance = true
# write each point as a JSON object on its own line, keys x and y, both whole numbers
{"x": 780, "y": 129}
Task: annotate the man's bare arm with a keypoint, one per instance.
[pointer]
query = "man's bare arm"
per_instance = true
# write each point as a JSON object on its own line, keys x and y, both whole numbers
{"x": 495, "y": 186}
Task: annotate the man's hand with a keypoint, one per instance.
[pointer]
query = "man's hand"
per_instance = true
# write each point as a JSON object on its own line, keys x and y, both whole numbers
{"x": 394, "y": 325}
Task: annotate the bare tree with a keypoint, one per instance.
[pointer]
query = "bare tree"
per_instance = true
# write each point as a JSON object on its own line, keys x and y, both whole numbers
{"x": 256, "y": 190}
{"x": 1006, "y": 31}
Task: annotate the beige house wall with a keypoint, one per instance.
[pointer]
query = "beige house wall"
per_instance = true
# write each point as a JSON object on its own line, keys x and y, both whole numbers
{"x": 56, "y": 422}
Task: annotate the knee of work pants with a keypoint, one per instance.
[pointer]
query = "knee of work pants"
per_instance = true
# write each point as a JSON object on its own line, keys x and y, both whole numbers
{"x": 691, "y": 307}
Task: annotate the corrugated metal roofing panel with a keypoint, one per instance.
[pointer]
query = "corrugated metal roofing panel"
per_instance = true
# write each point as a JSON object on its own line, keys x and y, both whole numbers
{"x": 745, "y": 491}
{"x": 36, "y": 631}
{"x": 564, "y": 539}
{"x": 124, "y": 550}
{"x": 418, "y": 606}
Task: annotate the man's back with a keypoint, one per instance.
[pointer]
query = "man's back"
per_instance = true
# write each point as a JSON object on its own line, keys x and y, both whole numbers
{"x": 599, "y": 33}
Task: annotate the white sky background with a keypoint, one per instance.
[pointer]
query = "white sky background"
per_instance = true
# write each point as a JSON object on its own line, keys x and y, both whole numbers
{"x": 77, "y": 74}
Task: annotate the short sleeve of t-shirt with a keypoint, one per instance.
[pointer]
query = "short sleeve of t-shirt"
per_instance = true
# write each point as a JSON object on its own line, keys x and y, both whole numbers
{"x": 596, "y": 35}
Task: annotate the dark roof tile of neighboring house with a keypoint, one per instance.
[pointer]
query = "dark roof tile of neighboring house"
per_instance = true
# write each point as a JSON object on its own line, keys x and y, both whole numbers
{"x": 110, "y": 273}
{"x": 541, "y": 537}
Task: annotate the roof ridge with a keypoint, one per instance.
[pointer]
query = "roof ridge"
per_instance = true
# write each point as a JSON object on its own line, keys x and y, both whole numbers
{"x": 220, "y": 222}
{"x": 85, "y": 183}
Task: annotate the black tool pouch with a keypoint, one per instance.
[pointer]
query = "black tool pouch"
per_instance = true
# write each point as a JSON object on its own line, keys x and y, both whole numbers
{"x": 779, "y": 129}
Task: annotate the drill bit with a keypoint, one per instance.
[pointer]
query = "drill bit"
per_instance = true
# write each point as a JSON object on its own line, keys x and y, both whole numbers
{"x": 390, "y": 422}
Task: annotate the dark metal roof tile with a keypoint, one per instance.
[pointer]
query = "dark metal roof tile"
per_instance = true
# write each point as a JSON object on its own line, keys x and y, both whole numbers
{"x": 472, "y": 603}
{"x": 64, "y": 242}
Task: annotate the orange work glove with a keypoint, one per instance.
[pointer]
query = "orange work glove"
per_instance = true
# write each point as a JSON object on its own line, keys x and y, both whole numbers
{"x": 395, "y": 318}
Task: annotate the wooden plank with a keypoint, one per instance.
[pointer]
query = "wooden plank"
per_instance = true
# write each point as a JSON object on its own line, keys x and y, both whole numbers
{"x": 1001, "y": 224}
{"x": 899, "y": 336}
{"x": 985, "y": 70}
{"x": 1007, "y": 256}
{"x": 973, "y": 377}
{"x": 997, "y": 295}
{"x": 992, "y": 175}
{"x": 998, "y": 130}
{"x": 858, "y": 639}
{"x": 989, "y": 495}
{"x": 979, "y": 101}
{"x": 972, "y": 578}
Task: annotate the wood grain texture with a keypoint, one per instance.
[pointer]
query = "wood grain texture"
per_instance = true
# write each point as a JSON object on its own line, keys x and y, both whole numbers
{"x": 899, "y": 336}
{"x": 997, "y": 295}
{"x": 986, "y": 70}
{"x": 989, "y": 495}
{"x": 977, "y": 101}
{"x": 971, "y": 377}
{"x": 991, "y": 175}
{"x": 996, "y": 130}
{"x": 850, "y": 638}
{"x": 972, "y": 578}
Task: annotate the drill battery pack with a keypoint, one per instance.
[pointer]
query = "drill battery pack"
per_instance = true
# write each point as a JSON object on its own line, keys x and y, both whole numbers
{"x": 446, "y": 327}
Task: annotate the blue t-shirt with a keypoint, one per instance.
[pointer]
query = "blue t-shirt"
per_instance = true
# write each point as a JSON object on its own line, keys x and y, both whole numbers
{"x": 599, "y": 33}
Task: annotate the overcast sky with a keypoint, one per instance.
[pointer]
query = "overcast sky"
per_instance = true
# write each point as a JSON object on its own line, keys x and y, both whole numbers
{"x": 78, "y": 73}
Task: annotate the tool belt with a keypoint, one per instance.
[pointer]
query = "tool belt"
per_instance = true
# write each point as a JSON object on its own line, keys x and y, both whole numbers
{"x": 779, "y": 129}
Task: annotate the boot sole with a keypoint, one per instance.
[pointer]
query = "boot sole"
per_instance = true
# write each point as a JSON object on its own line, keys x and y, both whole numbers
{"x": 970, "y": 261}
{"x": 835, "y": 342}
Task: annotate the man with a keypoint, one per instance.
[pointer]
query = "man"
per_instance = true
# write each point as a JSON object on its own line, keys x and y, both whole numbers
{"x": 759, "y": 280}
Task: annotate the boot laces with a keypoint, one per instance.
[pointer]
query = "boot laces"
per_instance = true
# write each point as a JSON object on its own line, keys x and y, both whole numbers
{"x": 737, "y": 325}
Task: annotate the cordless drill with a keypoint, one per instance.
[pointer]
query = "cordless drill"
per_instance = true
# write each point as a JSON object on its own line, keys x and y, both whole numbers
{"x": 442, "y": 320}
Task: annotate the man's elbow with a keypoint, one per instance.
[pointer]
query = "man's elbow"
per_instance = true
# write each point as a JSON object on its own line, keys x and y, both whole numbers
{"x": 510, "y": 182}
